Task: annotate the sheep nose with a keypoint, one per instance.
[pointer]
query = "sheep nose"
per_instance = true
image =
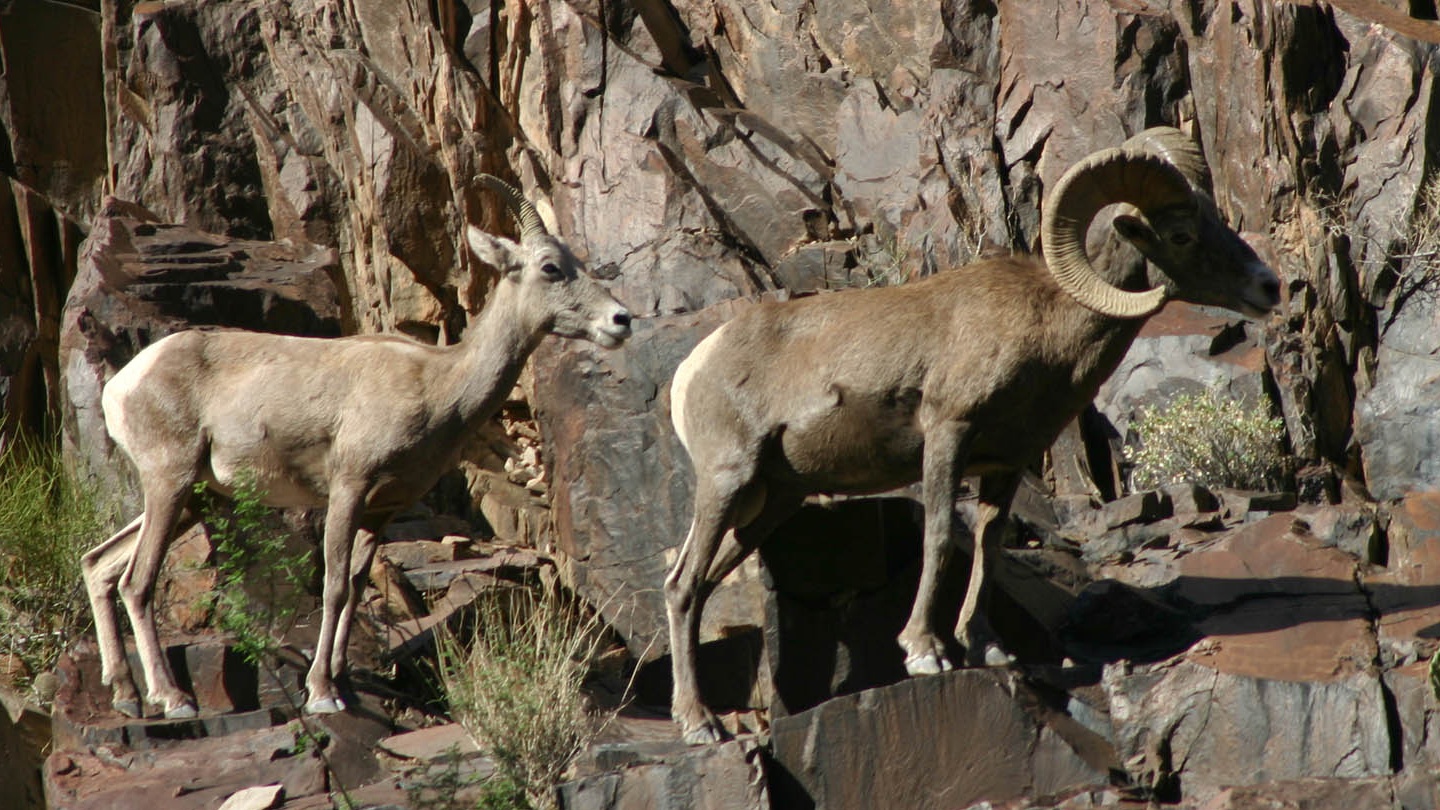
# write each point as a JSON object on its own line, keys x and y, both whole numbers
{"x": 1271, "y": 288}
{"x": 622, "y": 319}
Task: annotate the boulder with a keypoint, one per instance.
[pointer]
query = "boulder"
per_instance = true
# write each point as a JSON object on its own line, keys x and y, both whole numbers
{"x": 941, "y": 741}
{"x": 21, "y": 757}
{"x": 669, "y": 775}
{"x": 1187, "y": 723}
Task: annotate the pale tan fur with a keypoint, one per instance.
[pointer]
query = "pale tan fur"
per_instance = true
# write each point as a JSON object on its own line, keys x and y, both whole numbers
{"x": 363, "y": 426}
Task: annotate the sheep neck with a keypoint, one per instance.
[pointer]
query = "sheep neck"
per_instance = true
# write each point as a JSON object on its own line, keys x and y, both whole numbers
{"x": 491, "y": 355}
{"x": 1122, "y": 265}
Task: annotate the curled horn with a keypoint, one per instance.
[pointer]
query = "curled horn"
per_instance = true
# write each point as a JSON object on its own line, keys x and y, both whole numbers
{"x": 523, "y": 209}
{"x": 1121, "y": 175}
{"x": 1176, "y": 147}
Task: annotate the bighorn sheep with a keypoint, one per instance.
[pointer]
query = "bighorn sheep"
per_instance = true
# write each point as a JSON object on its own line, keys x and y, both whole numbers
{"x": 362, "y": 425}
{"x": 969, "y": 372}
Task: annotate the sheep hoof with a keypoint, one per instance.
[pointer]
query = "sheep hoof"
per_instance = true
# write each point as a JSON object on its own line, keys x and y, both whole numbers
{"x": 325, "y": 706}
{"x": 129, "y": 707}
{"x": 996, "y": 657}
{"x": 927, "y": 664}
{"x": 185, "y": 711}
{"x": 705, "y": 734}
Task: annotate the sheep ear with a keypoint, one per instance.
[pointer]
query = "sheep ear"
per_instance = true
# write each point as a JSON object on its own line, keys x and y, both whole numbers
{"x": 496, "y": 251}
{"x": 1137, "y": 231}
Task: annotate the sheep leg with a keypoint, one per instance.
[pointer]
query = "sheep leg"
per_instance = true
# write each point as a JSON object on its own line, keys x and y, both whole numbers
{"x": 361, "y": 556}
{"x": 717, "y": 508}
{"x": 342, "y": 520}
{"x": 982, "y": 648}
{"x": 164, "y": 509}
{"x": 946, "y": 446}
{"x": 736, "y": 545}
{"x": 102, "y": 567}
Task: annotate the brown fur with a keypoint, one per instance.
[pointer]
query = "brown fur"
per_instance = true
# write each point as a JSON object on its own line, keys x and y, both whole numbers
{"x": 970, "y": 372}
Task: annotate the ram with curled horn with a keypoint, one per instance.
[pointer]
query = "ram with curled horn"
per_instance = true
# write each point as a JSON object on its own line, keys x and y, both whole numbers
{"x": 972, "y": 372}
{"x": 363, "y": 426}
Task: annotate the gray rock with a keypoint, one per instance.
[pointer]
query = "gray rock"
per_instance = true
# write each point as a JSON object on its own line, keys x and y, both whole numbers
{"x": 621, "y": 481}
{"x": 1212, "y": 729}
{"x": 673, "y": 776}
{"x": 941, "y": 741}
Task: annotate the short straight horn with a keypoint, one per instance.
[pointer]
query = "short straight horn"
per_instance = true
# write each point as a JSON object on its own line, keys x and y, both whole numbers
{"x": 523, "y": 209}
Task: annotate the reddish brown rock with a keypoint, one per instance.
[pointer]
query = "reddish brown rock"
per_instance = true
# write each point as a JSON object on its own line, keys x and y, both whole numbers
{"x": 1405, "y": 593}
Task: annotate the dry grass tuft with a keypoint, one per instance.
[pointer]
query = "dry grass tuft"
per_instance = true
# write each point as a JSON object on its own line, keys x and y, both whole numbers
{"x": 515, "y": 685}
{"x": 47, "y": 522}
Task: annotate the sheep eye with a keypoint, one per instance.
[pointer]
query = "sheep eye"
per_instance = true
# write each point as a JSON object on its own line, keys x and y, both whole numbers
{"x": 551, "y": 270}
{"x": 1181, "y": 239}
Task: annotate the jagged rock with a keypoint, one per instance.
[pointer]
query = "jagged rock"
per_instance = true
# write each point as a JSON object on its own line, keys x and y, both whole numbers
{"x": 1355, "y": 530}
{"x": 1418, "y": 748}
{"x": 1310, "y": 794}
{"x": 232, "y": 695}
{"x": 1185, "y": 350}
{"x": 940, "y": 741}
{"x": 198, "y": 774}
{"x": 1276, "y": 603}
{"x": 841, "y": 585}
{"x": 436, "y": 761}
{"x": 1190, "y": 499}
{"x": 1406, "y": 593}
{"x": 1110, "y": 620}
{"x": 1246, "y": 505}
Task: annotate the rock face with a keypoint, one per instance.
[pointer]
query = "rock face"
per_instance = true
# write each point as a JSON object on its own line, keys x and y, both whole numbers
{"x": 309, "y": 167}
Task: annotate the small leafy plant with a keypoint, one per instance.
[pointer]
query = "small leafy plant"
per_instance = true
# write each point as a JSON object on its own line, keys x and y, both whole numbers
{"x": 48, "y": 520}
{"x": 1208, "y": 440}
{"x": 257, "y": 595}
{"x": 515, "y": 685}
{"x": 252, "y": 553}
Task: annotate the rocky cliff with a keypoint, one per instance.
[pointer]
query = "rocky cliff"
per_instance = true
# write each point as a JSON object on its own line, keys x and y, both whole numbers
{"x": 309, "y": 167}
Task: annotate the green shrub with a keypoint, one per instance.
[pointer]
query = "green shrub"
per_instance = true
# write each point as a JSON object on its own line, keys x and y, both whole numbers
{"x": 251, "y": 556}
{"x": 1209, "y": 440}
{"x": 48, "y": 521}
{"x": 515, "y": 685}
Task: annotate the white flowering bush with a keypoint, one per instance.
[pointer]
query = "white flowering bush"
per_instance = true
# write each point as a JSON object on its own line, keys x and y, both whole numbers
{"x": 1208, "y": 440}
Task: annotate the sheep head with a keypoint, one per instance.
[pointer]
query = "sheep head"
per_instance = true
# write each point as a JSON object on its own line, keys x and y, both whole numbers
{"x": 1170, "y": 218}
{"x": 555, "y": 294}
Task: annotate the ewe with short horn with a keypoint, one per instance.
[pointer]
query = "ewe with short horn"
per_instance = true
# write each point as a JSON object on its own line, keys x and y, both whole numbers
{"x": 969, "y": 372}
{"x": 363, "y": 426}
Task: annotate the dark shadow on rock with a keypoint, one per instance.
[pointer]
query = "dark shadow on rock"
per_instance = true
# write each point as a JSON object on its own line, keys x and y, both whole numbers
{"x": 728, "y": 668}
